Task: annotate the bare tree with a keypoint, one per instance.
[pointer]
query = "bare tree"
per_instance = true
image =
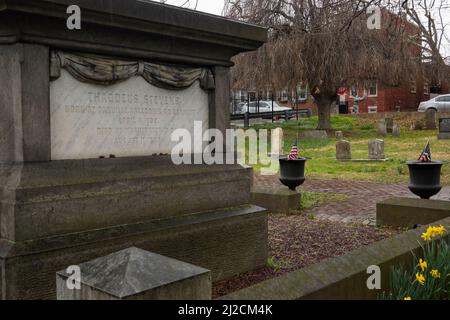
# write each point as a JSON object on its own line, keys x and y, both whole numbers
{"x": 325, "y": 44}
{"x": 429, "y": 16}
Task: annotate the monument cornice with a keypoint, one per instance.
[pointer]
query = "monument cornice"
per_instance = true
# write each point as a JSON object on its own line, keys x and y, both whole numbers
{"x": 130, "y": 29}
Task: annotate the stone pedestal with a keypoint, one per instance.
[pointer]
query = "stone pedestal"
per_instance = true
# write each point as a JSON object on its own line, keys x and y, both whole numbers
{"x": 61, "y": 205}
{"x": 411, "y": 212}
{"x": 135, "y": 274}
{"x": 276, "y": 199}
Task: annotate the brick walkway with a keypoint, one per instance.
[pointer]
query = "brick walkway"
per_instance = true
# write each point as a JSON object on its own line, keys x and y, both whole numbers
{"x": 360, "y": 207}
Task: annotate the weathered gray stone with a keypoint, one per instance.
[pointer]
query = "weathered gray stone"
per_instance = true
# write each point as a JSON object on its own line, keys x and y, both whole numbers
{"x": 56, "y": 213}
{"x": 376, "y": 149}
{"x": 339, "y": 135}
{"x": 136, "y": 274}
{"x": 276, "y": 199}
{"x": 410, "y": 212}
{"x": 444, "y": 129}
{"x": 343, "y": 150}
{"x": 396, "y": 130}
{"x": 430, "y": 119}
{"x": 315, "y": 134}
{"x": 382, "y": 128}
{"x": 389, "y": 124}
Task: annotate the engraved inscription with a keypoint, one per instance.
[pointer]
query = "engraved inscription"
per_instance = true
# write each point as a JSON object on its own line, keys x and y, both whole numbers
{"x": 131, "y": 118}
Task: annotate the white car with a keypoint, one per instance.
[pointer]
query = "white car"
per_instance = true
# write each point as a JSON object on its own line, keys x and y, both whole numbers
{"x": 263, "y": 106}
{"x": 440, "y": 103}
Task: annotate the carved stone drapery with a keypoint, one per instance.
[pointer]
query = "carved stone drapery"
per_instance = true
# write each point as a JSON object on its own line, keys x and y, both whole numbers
{"x": 103, "y": 70}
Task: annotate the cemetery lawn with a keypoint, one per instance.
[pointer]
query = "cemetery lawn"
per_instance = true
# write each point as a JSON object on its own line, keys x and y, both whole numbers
{"x": 359, "y": 130}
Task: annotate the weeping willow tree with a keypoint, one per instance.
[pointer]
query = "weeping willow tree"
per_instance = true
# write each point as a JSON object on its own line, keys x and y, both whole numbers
{"x": 326, "y": 44}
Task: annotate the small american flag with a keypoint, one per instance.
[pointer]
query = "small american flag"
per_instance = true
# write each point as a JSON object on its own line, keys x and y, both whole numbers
{"x": 293, "y": 155}
{"x": 426, "y": 154}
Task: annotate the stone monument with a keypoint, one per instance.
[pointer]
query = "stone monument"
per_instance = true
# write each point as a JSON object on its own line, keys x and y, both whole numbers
{"x": 430, "y": 119}
{"x": 343, "y": 150}
{"x": 376, "y": 149}
{"x": 85, "y": 132}
{"x": 444, "y": 129}
{"x": 382, "y": 128}
{"x": 389, "y": 124}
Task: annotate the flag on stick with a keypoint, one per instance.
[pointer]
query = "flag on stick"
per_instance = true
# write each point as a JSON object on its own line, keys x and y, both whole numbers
{"x": 426, "y": 154}
{"x": 293, "y": 155}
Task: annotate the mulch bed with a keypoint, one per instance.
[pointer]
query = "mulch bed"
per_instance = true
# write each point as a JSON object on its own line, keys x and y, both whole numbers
{"x": 297, "y": 241}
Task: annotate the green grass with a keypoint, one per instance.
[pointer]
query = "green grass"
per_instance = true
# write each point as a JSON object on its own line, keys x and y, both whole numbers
{"x": 398, "y": 149}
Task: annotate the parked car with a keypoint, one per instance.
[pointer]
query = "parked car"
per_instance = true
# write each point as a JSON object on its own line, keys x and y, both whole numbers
{"x": 440, "y": 103}
{"x": 264, "y": 106}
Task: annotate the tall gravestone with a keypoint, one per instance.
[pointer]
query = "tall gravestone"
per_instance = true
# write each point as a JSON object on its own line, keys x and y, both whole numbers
{"x": 430, "y": 119}
{"x": 85, "y": 135}
{"x": 376, "y": 149}
{"x": 444, "y": 129}
{"x": 343, "y": 150}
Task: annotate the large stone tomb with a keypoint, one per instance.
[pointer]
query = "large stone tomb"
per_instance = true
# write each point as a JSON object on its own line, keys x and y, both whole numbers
{"x": 84, "y": 137}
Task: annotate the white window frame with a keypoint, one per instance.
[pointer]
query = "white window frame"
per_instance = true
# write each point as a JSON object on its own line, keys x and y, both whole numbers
{"x": 302, "y": 92}
{"x": 376, "y": 89}
{"x": 372, "y": 109}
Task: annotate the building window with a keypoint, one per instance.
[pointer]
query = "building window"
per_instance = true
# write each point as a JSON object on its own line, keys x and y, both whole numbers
{"x": 372, "y": 109}
{"x": 302, "y": 92}
{"x": 372, "y": 88}
{"x": 284, "y": 96}
{"x": 243, "y": 95}
{"x": 354, "y": 90}
{"x": 426, "y": 89}
{"x": 413, "y": 87}
{"x": 252, "y": 96}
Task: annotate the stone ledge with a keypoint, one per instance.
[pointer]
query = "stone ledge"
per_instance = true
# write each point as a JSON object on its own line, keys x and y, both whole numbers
{"x": 410, "y": 212}
{"x": 276, "y": 199}
{"x": 343, "y": 277}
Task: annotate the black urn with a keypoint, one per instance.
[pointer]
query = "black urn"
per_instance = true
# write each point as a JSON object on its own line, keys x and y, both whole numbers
{"x": 292, "y": 172}
{"x": 425, "y": 178}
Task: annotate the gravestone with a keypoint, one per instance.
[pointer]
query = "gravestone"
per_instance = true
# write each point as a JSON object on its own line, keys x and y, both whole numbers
{"x": 444, "y": 129}
{"x": 382, "y": 128}
{"x": 148, "y": 276}
{"x": 376, "y": 149}
{"x": 396, "y": 130}
{"x": 389, "y": 124}
{"x": 85, "y": 136}
{"x": 343, "y": 150}
{"x": 430, "y": 119}
{"x": 339, "y": 135}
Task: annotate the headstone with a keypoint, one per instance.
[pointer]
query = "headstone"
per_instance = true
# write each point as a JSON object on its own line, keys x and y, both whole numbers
{"x": 444, "y": 129}
{"x": 396, "y": 130}
{"x": 430, "y": 119}
{"x": 389, "y": 124}
{"x": 277, "y": 142}
{"x": 136, "y": 274}
{"x": 343, "y": 150}
{"x": 376, "y": 149}
{"x": 108, "y": 121}
{"x": 381, "y": 128}
{"x": 315, "y": 134}
{"x": 339, "y": 135}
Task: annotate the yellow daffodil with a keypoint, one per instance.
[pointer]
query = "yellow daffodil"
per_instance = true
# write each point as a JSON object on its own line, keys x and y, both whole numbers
{"x": 407, "y": 298}
{"x": 435, "y": 274}
{"x": 423, "y": 265}
{"x": 420, "y": 278}
{"x": 433, "y": 232}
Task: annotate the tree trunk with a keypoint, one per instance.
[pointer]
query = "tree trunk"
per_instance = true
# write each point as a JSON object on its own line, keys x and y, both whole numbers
{"x": 324, "y": 109}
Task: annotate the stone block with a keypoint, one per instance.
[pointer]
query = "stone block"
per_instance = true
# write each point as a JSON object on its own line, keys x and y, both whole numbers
{"x": 430, "y": 119}
{"x": 276, "y": 199}
{"x": 381, "y": 128}
{"x": 136, "y": 274}
{"x": 343, "y": 150}
{"x": 410, "y": 212}
{"x": 376, "y": 149}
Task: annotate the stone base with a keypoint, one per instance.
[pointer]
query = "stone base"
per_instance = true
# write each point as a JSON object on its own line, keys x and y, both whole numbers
{"x": 410, "y": 212}
{"x": 61, "y": 213}
{"x": 277, "y": 199}
{"x": 227, "y": 242}
{"x": 444, "y": 136}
